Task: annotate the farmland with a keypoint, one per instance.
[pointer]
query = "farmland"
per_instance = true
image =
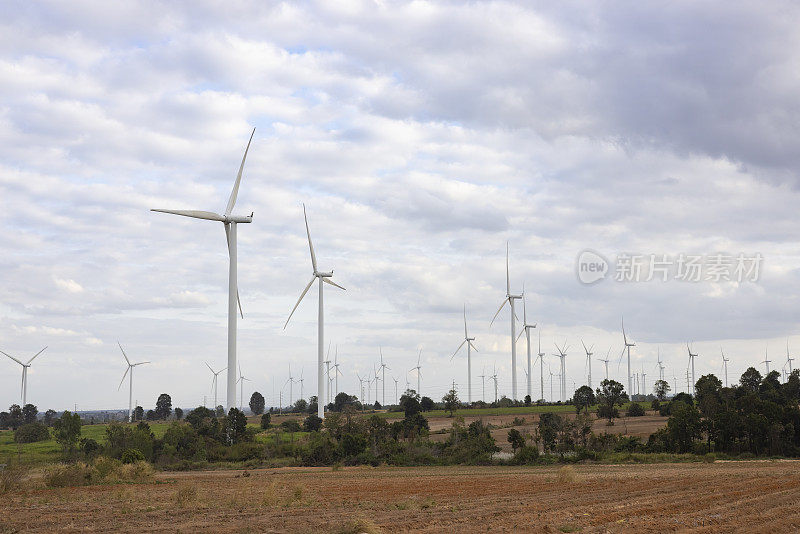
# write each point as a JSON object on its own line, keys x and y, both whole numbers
{"x": 744, "y": 496}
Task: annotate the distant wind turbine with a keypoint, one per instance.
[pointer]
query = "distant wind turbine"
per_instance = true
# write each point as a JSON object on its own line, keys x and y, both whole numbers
{"x": 606, "y": 361}
{"x": 129, "y": 369}
{"x": 526, "y": 328}
{"x": 214, "y": 382}
{"x": 691, "y": 361}
{"x": 229, "y": 221}
{"x": 562, "y": 353}
{"x": 326, "y": 278}
{"x": 627, "y": 347}
{"x": 789, "y": 359}
{"x": 383, "y": 369}
{"x": 541, "y": 363}
{"x": 418, "y": 368}
{"x": 510, "y": 298}
{"x": 766, "y": 360}
{"x": 468, "y": 342}
{"x": 589, "y": 354}
{"x": 241, "y": 380}
{"x": 24, "y": 387}
{"x": 725, "y": 365}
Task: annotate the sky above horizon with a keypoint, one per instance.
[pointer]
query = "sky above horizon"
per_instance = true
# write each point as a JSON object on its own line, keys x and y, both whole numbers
{"x": 422, "y": 137}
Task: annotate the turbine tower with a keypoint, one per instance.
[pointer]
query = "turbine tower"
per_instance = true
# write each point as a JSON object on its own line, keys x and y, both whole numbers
{"x": 789, "y": 359}
{"x": 129, "y": 369}
{"x": 24, "y": 388}
{"x": 396, "y": 401}
{"x": 326, "y": 278}
{"x": 766, "y": 360}
{"x": 494, "y": 377}
{"x": 589, "y": 354}
{"x": 230, "y": 222}
{"x": 336, "y": 371}
{"x": 628, "y": 348}
{"x": 606, "y": 361}
{"x": 691, "y": 361}
{"x": 510, "y": 298}
{"x": 725, "y": 365}
{"x": 526, "y": 329}
{"x": 541, "y": 363}
{"x": 562, "y": 353}
{"x": 468, "y": 341}
{"x": 290, "y": 381}
{"x": 418, "y": 368}
{"x": 301, "y": 383}
{"x": 483, "y": 385}
{"x": 661, "y": 368}
{"x": 214, "y": 382}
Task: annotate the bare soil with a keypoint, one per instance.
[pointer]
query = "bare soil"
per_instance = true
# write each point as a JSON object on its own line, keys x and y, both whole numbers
{"x": 757, "y": 496}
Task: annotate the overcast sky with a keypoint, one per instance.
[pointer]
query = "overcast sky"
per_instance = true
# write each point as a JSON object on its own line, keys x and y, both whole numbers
{"x": 421, "y": 137}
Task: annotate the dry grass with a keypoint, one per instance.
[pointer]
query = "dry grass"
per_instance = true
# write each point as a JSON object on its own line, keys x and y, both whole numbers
{"x": 568, "y": 475}
{"x": 11, "y": 477}
{"x": 185, "y": 494}
{"x": 101, "y": 471}
{"x": 361, "y": 525}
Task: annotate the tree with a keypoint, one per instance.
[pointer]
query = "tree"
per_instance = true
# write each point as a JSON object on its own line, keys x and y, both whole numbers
{"x": 661, "y": 389}
{"x": 426, "y": 403}
{"x": 450, "y": 401}
{"x": 312, "y": 404}
{"x": 29, "y": 412}
{"x": 583, "y": 398}
{"x": 31, "y": 432}
{"x": 49, "y": 417}
{"x": 527, "y": 400}
{"x": 15, "y": 418}
{"x": 178, "y": 414}
{"x": 235, "y": 426}
{"x": 257, "y": 403}
{"x": 163, "y": 406}
{"x": 138, "y": 413}
{"x": 750, "y": 380}
{"x": 266, "y": 419}
{"x": 683, "y": 427}
{"x": 67, "y": 431}
{"x": 312, "y": 423}
{"x": 516, "y": 439}
{"x": 409, "y": 402}
{"x": 343, "y": 399}
{"x": 610, "y": 395}
{"x": 549, "y": 426}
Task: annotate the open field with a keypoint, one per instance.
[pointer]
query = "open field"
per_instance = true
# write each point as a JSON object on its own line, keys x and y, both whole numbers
{"x": 752, "y": 496}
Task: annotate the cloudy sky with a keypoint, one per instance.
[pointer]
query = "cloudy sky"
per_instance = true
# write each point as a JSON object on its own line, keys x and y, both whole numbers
{"x": 421, "y": 137}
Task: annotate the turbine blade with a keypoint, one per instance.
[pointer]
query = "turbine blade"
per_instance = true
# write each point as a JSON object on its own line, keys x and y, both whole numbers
{"x": 508, "y": 277}
{"x": 235, "y": 191}
{"x": 209, "y": 368}
{"x": 331, "y": 282}
{"x": 498, "y": 312}
{"x": 520, "y": 333}
{"x": 458, "y": 349}
{"x": 123, "y": 353}
{"x": 123, "y": 377}
{"x": 13, "y": 358}
{"x": 473, "y": 346}
{"x": 310, "y": 246}
{"x": 196, "y": 214}
{"x": 41, "y": 351}
{"x": 467, "y": 335}
{"x": 303, "y": 294}
{"x": 228, "y": 239}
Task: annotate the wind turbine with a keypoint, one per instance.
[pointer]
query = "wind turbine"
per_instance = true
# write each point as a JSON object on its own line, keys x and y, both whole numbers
{"x": 129, "y": 369}
{"x": 336, "y": 371}
{"x": 327, "y": 363}
{"x": 214, "y": 382}
{"x": 628, "y": 347}
{"x": 361, "y": 383}
{"x": 229, "y": 221}
{"x": 494, "y": 377}
{"x": 468, "y": 341}
{"x": 510, "y": 301}
{"x": 661, "y": 367}
{"x": 24, "y": 387}
{"x": 541, "y": 363}
{"x": 606, "y": 361}
{"x": 483, "y": 386}
{"x": 725, "y": 365}
{"x": 301, "y": 383}
{"x": 691, "y": 361}
{"x": 396, "y": 398}
{"x": 562, "y": 353}
{"x": 418, "y": 368}
{"x": 377, "y": 379}
{"x": 766, "y": 360}
{"x": 326, "y": 278}
{"x": 290, "y": 381}
{"x": 789, "y": 359}
{"x": 242, "y": 378}
{"x": 589, "y": 354}
{"x": 383, "y": 368}
{"x": 526, "y": 328}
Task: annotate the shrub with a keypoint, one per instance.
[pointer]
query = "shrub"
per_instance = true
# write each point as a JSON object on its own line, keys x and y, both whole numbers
{"x": 130, "y": 456}
{"x": 312, "y": 423}
{"x": 64, "y": 476}
{"x": 526, "y": 455}
{"x": 266, "y": 419}
{"x": 11, "y": 477}
{"x": 89, "y": 447}
{"x": 138, "y": 473}
{"x": 635, "y": 410}
{"x": 31, "y": 433}
{"x": 567, "y": 475}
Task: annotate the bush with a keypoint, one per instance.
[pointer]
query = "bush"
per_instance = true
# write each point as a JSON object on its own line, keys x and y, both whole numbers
{"x": 102, "y": 470}
{"x": 31, "y": 433}
{"x": 11, "y": 477}
{"x": 266, "y": 419}
{"x": 635, "y": 410}
{"x": 89, "y": 447}
{"x": 312, "y": 423}
{"x": 70, "y": 475}
{"x": 130, "y": 456}
{"x": 526, "y": 455}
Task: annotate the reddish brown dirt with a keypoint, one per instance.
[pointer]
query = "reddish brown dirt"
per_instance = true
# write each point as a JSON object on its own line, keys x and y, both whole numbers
{"x": 721, "y": 497}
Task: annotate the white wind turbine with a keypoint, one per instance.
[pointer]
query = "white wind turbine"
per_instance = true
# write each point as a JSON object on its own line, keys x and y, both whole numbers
{"x": 291, "y": 381}
{"x": 214, "y": 382}
{"x": 589, "y": 355}
{"x": 494, "y": 377}
{"x": 691, "y": 361}
{"x": 326, "y": 278}
{"x": 24, "y": 387}
{"x": 541, "y": 363}
{"x": 241, "y": 380}
{"x": 301, "y": 383}
{"x": 510, "y": 298}
{"x": 562, "y": 354}
{"x": 395, "y": 391}
{"x": 418, "y": 369}
{"x": 483, "y": 384}
{"x": 383, "y": 369}
{"x": 468, "y": 341}
{"x": 661, "y": 367}
{"x": 336, "y": 372}
{"x": 129, "y": 369}
{"x": 627, "y": 347}
{"x": 327, "y": 363}
{"x": 606, "y": 361}
{"x": 766, "y": 360}
{"x": 526, "y": 329}
{"x": 789, "y": 359}
{"x": 229, "y": 221}
{"x": 725, "y": 365}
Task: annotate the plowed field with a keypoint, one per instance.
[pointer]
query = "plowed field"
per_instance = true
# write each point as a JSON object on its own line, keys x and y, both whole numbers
{"x": 720, "y": 497}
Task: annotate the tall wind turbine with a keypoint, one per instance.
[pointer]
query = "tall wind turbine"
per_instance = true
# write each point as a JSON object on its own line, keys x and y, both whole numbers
{"x": 541, "y": 363}
{"x": 326, "y": 278}
{"x": 725, "y": 365}
{"x": 589, "y": 354}
{"x": 396, "y": 401}
{"x": 24, "y": 388}
{"x": 562, "y": 353}
{"x": 483, "y": 385}
{"x": 290, "y": 381}
{"x": 418, "y": 369}
{"x": 301, "y": 383}
{"x": 606, "y": 361}
{"x": 383, "y": 369}
{"x": 336, "y": 371}
{"x": 766, "y": 360}
{"x": 627, "y": 347}
{"x": 661, "y": 367}
{"x": 230, "y": 222}
{"x": 789, "y": 359}
{"x": 214, "y": 382}
{"x": 241, "y": 380}
{"x": 494, "y": 377}
{"x": 510, "y": 298}
{"x": 691, "y": 361}
{"x": 468, "y": 341}
{"x": 129, "y": 369}
{"x": 526, "y": 328}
